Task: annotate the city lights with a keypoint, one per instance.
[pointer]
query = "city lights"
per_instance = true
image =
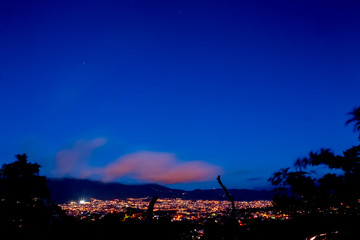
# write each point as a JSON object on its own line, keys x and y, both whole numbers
{"x": 174, "y": 209}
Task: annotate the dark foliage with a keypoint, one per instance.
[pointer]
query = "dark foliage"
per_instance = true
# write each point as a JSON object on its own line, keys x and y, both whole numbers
{"x": 25, "y": 208}
{"x": 355, "y": 118}
{"x": 299, "y": 189}
{"x": 20, "y": 181}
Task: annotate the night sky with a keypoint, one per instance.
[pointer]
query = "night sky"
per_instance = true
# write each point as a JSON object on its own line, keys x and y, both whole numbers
{"x": 176, "y": 92}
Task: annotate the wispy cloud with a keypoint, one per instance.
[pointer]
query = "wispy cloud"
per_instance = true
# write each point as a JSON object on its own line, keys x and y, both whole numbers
{"x": 146, "y": 166}
{"x": 74, "y": 160}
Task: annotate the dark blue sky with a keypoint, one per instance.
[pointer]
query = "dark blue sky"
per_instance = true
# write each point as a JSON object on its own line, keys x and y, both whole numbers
{"x": 241, "y": 87}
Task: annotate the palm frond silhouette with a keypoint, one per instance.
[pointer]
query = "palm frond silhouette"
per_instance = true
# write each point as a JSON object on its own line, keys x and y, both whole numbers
{"x": 356, "y": 118}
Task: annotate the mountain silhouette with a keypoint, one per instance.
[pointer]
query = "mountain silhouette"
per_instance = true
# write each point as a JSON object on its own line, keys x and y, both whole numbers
{"x": 70, "y": 189}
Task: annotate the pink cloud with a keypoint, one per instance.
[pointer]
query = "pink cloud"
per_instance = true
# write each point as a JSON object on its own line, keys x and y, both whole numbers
{"x": 159, "y": 167}
{"x": 146, "y": 166}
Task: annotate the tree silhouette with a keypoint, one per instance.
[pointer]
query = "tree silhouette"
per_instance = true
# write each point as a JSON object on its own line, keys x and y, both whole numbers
{"x": 150, "y": 210}
{"x": 231, "y": 199}
{"x": 20, "y": 181}
{"x": 24, "y": 205}
{"x": 299, "y": 189}
{"x": 356, "y": 118}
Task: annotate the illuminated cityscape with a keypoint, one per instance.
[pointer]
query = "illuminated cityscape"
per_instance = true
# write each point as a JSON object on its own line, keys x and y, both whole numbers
{"x": 176, "y": 209}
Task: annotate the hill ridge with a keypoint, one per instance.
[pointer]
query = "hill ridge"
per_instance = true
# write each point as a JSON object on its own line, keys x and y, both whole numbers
{"x": 70, "y": 189}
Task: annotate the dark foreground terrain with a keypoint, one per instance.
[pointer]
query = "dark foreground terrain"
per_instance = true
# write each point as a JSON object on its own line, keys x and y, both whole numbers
{"x": 113, "y": 227}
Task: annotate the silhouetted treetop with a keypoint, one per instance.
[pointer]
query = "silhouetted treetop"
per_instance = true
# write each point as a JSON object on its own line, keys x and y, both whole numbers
{"x": 20, "y": 180}
{"x": 25, "y": 207}
{"x": 304, "y": 189}
{"x": 356, "y": 118}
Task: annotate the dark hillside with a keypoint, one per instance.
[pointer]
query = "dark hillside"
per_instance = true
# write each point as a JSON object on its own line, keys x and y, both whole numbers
{"x": 67, "y": 189}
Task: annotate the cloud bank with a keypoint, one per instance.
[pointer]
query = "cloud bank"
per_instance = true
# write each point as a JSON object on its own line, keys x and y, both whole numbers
{"x": 159, "y": 167}
{"x": 146, "y": 166}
